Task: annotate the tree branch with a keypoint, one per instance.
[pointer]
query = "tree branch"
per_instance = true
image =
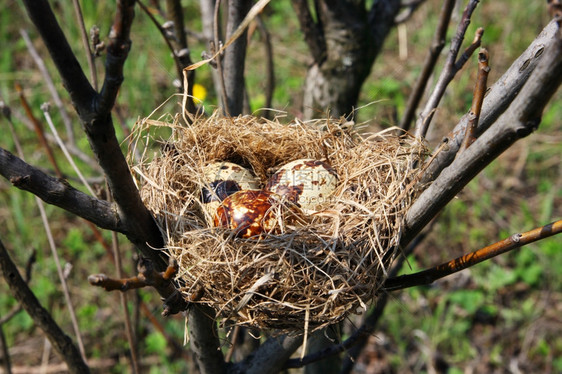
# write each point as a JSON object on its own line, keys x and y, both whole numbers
{"x": 522, "y": 118}
{"x": 160, "y": 281}
{"x": 313, "y": 34}
{"x": 62, "y": 344}
{"x": 271, "y": 356}
{"x": 477, "y": 99}
{"x": 428, "y": 276}
{"x": 499, "y": 97}
{"x": 204, "y": 342}
{"x": 94, "y": 111}
{"x": 452, "y": 66}
{"x": 59, "y": 193}
{"x": 235, "y": 57}
{"x": 435, "y": 49}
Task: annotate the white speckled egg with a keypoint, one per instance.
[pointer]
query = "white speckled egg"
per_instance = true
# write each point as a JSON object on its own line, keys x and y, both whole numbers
{"x": 228, "y": 171}
{"x": 223, "y": 179}
{"x": 307, "y": 183}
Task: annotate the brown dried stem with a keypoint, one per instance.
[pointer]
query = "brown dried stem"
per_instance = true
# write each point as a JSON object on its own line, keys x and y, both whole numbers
{"x": 437, "y": 45}
{"x": 452, "y": 66}
{"x": 478, "y": 98}
{"x": 62, "y": 344}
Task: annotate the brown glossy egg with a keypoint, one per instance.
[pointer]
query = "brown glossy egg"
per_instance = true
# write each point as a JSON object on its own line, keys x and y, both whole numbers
{"x": 307, "y": 183}
{"x": 248, "y": 213}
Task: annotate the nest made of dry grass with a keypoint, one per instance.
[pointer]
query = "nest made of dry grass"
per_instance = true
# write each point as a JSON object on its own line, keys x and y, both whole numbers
{"x": 310, "y": 275}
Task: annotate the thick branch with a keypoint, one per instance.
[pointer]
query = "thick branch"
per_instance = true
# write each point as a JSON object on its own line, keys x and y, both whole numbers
{"x": 94, "y": 111}
{"x": 62, "y": 344}
{"x": 59, "y": 193}
{"x": 235, "y": 57}
{"x": 204, "y": 342}
{"x": 499, "y": 97}
{"x": 522, "y": 118}
{"x": 271, "y": 356}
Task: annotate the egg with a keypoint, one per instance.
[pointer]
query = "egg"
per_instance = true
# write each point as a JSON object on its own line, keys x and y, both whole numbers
{"x": 307, "y": 183}
{"x": 249, "y": 213}
{"x": 228, "y": 171}
{"x": 222, "y": 179}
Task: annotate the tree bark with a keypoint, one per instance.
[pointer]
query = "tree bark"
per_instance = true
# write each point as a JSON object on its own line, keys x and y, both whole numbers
{"x": 352, "y": 36}
{"x": 235, "y": 57}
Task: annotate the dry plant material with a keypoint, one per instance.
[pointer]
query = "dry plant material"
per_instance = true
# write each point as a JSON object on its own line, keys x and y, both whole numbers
{"x": 312, "y": 270}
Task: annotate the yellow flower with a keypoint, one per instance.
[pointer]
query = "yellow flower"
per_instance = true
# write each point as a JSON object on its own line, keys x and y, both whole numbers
{"x": 199, "y": 93}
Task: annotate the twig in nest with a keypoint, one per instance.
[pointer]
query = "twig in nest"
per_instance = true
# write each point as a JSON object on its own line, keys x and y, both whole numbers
{"x": 452, "y": 66}
{"x": 162, "y": 282}
{"x": 478, "y": 98}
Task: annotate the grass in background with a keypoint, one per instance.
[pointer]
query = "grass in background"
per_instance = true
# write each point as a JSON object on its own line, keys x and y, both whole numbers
{"x": 482, "y": 318}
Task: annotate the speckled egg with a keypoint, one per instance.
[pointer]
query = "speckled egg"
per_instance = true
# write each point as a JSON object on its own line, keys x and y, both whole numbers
{"x": 222, "y": 179}
{"x": 228, "y": 171}
{"x": 307, "y": 183}
{"x": 248, "y": 213}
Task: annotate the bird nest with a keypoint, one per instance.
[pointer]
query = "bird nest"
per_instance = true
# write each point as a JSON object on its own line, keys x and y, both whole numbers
{"x": 313, "y": 268}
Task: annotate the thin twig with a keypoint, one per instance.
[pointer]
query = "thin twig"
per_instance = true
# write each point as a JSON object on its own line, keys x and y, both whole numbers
{"x": 62, "y": 344}
{"x": 437, "y": 45}
{"x": 45, "y": 109}
{"x": 522, "y": 118}
{"x": 514, "y": 241}
{"x": 162, "y": 282}
{"x": 50, "y": 86}
{"x": 86, "y": 43}
{"x": 38, "y": 129}
{"x": 6, "y": 361}
{"x": 477, "y": 99}
{"x": 452, "y": 66}
{"x": 123, "y": 297}
{"x": 55, "y": 255}
{"x": 498, "y": 98}
{"x": 215, "y": 47}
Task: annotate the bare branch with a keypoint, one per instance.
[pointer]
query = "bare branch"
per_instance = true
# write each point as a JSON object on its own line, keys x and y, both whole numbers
{"x": 522, "y": 118}
{"x": 477, "y": 99}
{"x": 62, "y": 344}
{"x": 86, "y": 44}
{"x": 162, "y": 282}
{"x": 437, "y": 45}
{"x": 499, "y": 97}
{"x": 452, "y": 66}
{"x": 59, "y": 193}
